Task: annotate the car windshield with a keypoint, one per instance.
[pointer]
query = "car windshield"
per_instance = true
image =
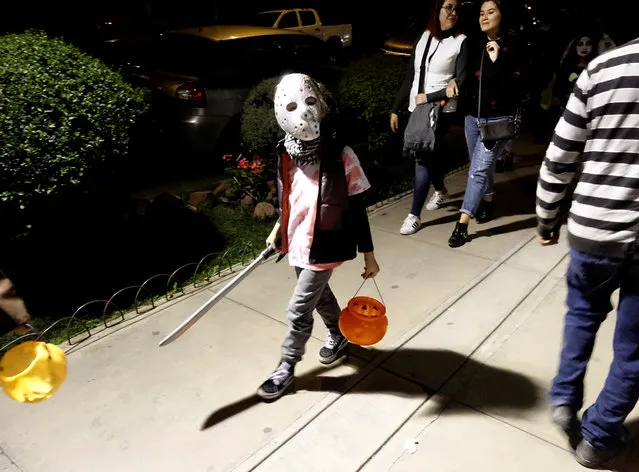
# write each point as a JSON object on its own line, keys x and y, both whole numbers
{"x": 265, "y": 19}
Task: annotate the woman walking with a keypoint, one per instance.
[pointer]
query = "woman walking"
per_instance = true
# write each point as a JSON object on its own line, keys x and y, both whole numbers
{"x": 438, "y": 57}
{"x": 493, "y": 95}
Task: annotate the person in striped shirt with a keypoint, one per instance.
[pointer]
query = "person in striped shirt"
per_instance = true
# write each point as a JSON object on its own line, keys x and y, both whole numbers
{"x": 596, "y": 143}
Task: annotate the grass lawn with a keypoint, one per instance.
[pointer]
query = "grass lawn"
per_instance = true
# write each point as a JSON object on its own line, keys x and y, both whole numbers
{"x": 239, "y": 227}
{"x": 245, "y": 236}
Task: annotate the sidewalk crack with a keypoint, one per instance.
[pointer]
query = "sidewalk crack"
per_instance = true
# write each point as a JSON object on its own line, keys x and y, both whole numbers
{"x": 3, "y": 453}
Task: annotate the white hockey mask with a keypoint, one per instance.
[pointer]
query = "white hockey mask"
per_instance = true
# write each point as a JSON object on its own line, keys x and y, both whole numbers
{"x": 299, "y": 106}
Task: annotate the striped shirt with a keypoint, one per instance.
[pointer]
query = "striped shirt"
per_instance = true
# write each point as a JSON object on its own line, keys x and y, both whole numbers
{"x": 598, "y": 135}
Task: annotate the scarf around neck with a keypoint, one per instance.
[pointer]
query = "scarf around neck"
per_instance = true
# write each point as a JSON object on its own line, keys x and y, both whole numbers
{"x": 302, "y": 152}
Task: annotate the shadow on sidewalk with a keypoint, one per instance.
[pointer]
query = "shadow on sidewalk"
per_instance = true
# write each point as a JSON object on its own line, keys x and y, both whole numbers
{"x": 512, "y": 198}
{"x": 629, "y": 460}
{"x": 519, "y": 392}
{"x": 528, "y": 223}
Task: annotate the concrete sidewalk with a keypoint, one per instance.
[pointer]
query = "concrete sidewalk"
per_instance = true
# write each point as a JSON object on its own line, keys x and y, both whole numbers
{"x": 458, "y": 384}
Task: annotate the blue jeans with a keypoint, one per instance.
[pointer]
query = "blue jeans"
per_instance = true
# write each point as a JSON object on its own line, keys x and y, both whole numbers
{"x": 428, "y": 170}
{"x": 482, "y": 165}
{"x": 591, "y": 282}
{"x": 429, "y": 167}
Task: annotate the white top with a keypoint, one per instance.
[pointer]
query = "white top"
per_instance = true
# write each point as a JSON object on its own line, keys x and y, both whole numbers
{"x": 442, "y": 65}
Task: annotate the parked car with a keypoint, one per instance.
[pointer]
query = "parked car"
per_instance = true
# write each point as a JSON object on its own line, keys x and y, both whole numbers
{"x": 197, "y": 79}
{"x": 402, "y": 38}
{"x": 401, "y": 44}
{"x": 307, "y": 20}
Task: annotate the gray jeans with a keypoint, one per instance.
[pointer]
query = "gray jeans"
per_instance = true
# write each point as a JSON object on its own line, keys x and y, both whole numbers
{"x": 311, "y": 293}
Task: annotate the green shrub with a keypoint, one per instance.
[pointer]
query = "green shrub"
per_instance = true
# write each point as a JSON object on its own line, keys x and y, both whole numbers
{"x": 62, "y": 115}
{"x": 260, "y": 131}
{"x": 366, "y": 94}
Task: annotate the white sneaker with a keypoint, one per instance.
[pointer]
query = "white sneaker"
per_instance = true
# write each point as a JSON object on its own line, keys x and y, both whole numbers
{"x": 411, "y": 224}
{"x": 436, "y": 201}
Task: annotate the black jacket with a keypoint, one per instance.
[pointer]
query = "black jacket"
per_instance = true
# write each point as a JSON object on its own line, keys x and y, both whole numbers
{"x": 341, "y": 226}
{"x": 503, "y": 86}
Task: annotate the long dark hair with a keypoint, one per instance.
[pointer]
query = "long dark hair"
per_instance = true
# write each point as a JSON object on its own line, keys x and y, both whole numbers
{"x": 434, "y": 26}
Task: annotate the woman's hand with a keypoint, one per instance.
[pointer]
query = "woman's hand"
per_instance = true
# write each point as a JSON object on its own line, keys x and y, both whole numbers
{"x": 452, "y": 91}
{"x": 420, "y": 99}
{"x": 493, "y": 50}
{"x": 394, "y": 122}
{"x": 371, "y": 267}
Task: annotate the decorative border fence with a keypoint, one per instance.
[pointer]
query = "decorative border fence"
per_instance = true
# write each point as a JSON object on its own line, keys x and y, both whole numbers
{"x": 208, "y": 270}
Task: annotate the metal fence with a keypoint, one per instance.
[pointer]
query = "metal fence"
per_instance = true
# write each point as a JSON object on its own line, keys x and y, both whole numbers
{"x": 211, "y": 268}
{"x": 77, "y": 329}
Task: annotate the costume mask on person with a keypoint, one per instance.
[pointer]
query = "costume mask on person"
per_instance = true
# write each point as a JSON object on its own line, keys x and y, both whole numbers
{"x": 584, "y": 46}
{"x": 299, "y": 109}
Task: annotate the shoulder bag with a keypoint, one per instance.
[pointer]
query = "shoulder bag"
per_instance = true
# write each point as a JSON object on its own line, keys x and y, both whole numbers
{"x": 497, "y": 130}
{"x": 419, "y": 135}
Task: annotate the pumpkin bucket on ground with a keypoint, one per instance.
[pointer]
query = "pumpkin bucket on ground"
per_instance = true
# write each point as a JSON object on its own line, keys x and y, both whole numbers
{"x": 33, "y": 371}
{"x": 363, "y": 321}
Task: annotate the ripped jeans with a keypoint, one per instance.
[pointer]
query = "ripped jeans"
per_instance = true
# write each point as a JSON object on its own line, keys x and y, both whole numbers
{"x": 482, "y": 163}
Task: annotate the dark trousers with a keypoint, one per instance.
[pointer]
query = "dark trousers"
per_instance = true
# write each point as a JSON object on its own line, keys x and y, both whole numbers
{"x": 591, "y": 282}
{"x": 429, "y": 168}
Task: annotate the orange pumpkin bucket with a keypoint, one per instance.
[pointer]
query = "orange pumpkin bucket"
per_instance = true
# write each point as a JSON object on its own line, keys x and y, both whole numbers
{"x": 363, "y": 321}
{"x": 33, "y": 371}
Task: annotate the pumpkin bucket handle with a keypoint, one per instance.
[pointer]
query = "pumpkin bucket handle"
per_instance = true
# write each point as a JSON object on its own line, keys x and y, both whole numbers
{"x": 375, "y": 282}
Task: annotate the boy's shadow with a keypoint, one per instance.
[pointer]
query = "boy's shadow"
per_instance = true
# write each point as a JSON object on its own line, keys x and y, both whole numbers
{"x": 517, "y": 391}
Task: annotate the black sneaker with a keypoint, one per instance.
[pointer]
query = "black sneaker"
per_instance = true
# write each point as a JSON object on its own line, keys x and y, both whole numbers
{"x": 278, "y": 383}
{"x": 333, "y": 349}
{"x": 566, "y": 418}
{"x": 592, "y": 458}
{"x": 459, "y": 236}
{"x": 486, "y": 212}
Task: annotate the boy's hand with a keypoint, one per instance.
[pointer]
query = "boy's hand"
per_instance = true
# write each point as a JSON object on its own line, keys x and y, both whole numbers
{"x": 274, "y": 239}
{"x": 371, "y": 267}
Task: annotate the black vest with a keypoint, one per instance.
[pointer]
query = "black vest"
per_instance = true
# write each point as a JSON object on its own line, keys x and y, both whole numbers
{"x": 334, "y": 237}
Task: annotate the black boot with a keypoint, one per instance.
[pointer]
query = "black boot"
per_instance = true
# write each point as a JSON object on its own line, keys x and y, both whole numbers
{"x": 459, "y": 236}
{"x": 486, "y": 212}
{"x": 509, "y": 162}
{"x": 592, "y": 458}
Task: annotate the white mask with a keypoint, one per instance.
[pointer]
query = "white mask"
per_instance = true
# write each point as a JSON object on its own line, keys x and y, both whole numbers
{"x": 299, "y": 106}
{"x": 584, "y": 47}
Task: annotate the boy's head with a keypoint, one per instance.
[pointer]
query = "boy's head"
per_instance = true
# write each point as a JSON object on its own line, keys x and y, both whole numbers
{"x": 300, "y": 106}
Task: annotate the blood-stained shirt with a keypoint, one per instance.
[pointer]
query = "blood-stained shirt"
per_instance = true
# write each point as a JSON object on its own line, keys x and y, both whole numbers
{"x": 303, "y": 202}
